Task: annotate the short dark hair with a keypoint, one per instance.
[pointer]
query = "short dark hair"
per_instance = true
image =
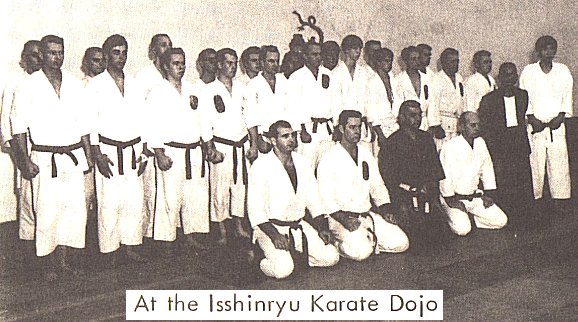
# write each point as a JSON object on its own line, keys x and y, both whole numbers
{"x": 347, "y": 114}
{"x": 311, "y": 43}
{"x": 166, "y": 56}
{"x": 205, "y": 52}
{"x": 249, "y": 51}
{"x": 267, "y": 49}
{"x": 447, "y": 52}
{"x": 407, "y": 104}
{"x": 371, "y": 43}
{"x": 421, "y": 47}
{"x": 272, "y": 133}
{"x": 225, "y": 51}
{"x": 28, "y": 46}
{"x": 330, "y": 46}
{"x": 382, "y": 53}
{"x": 113, "y": 41}
{"x": 89, "y": 52}
{"x": 154, "y": 40}
{"x": 479, "y": 54}
{"x": 351, "y": 41}
{"x": 503, "y": 67}
{"x": 406, "y": 51}
{"x": 544, "y": 41}
{"x": 50, "y": 39}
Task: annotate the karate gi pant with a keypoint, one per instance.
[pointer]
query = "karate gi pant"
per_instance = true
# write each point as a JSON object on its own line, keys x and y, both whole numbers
{"x": 359, "y": 244}
{"x": 488, "y": 218}
{"x": 8, "y": 197}
{"x": 550, "y": 156}
{"x": 320, "y": 143}
{"x": 227, "y": 196}
{"x": 89, "y": 189}
{"x": 120, "y": 204}
{"x": 59, "y": 204}
{"x": 26, "y": 229}
{"x": 180, "y": 199}
{"x": 279, "y": 263}
{"x": 149, "y": 179}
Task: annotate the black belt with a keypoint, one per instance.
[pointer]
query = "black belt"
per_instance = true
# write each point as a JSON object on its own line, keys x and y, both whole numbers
{"x": 365, "y": 215}
{"x": 468, "y": 197}
{"x": 317, "y": 120}
{"x": 188, "y": 147}
{"x": 368, "y": 128}
{"x": 292, "y": 226}
{"x": 55, "y": 149}
{"x": 120, "y": 145}
{"x": 235, "y": 145}
{"x": 419, "y": 200}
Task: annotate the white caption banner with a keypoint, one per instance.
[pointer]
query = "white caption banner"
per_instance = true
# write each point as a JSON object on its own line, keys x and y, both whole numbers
{"x": 284, "y": 305}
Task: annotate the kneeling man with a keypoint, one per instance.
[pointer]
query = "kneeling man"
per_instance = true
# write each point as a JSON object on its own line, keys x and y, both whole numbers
{"x": 466, "y": 161}
{"x": 349, "y": 182}
{"x": 281, "y": 186}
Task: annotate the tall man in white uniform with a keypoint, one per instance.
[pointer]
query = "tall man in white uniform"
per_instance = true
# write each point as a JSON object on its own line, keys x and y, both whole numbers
{"x": 250, "y": 65}
{"x": 413, "y": 85}
{"x": 15, "y": 191}
{"x": 47, "y": 112}
{"x": 466, "y": 160}
{"x": 448, "y": 98}
{"x": 425, "y": 59}
{"x": 349, "y": 180}
{"x": 481, "y": 82}
{"x": 229, "y": 178}
{"x": 549, "y": 85}
{"x": 281, "y": 187}
{"x": 116, "y": 138}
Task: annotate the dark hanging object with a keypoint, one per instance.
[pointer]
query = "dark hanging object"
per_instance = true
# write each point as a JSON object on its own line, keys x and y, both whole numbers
{"x": 325, "y": 81}
{"x": 219, "y": 104}
{"x": 365, "y": 168}
{"x": 194, "y": 101}
{"x": 311, "y": 21}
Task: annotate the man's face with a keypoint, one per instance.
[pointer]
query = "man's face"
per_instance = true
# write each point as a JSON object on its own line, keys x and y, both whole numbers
{"x": 228, "y": 67}
{"x": 330, "y": 58}
{"x": 548, "y": 52}
{"x": 33, "y": 58}
{"x": 470, "y": 128}
{"x": 162, "y": 44}
{"x": 368, "y": 53}
{"x": 286, "y": 140}
{"x": 176, "y": 67}
{"x": 425, "y": 57}
{"x": 451, "y": 63}
{"x": 209, "y": 63}
{"x": 271, "y": 63}
{"x": 353, "y": 53}
{"x": 385, "y": 64}
{"x": 313, "y": 56}
{"x": 352, "y": 130}
{"x": 53, "y": 55}
{"x": 96, "y": 63}
{"x": 410, "y": 117}
{"x": 484, "y": 66}
{"x": 413, "y": 61}
{"x": 117, "y": 57}
{"x": 253, "y": 65}
{"x": 508, "y": 76}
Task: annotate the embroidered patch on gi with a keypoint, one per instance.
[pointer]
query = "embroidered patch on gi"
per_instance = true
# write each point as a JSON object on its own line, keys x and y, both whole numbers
{"x": 325, "y": 81}
{"x": 425, "y": 91}
{"x": 365, "y": 168}
{"x": 194, "y": 101}
{"x": 219, "y": 104}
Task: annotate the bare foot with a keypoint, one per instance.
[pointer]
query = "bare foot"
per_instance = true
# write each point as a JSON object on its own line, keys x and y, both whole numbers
{"x": 240, "y": 231}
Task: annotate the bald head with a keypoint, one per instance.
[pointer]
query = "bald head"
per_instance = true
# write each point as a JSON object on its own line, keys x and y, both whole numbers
{"x": 469, "y": 125}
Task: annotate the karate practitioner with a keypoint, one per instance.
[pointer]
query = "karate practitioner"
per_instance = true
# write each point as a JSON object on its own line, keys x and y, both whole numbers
{"x": 229, "y": 178}
{"x": 466, "y": 161}
{"x": 330, "y": 54}
{"x": 425, "y": 59}
{"x": 15, "y": 190}
{"x": 311, "y": 104}
{"x": 409, "y": 164}
{"x": 293, "y": 59}
{"x": 412, "y": 84}
{"x": 250, "y": 65}
{"x": 281, "y": 187}
{"x": 117, "y": 144}
{"x": 47, "y": 111}
{"x": 178, "y": 138}
{"x": 549, "y": 85}
{"x": 371, "y": 46}
{"x": 348, "y": 179}
{"x": 448, "y": 98}
{"x": 481, "y": 82}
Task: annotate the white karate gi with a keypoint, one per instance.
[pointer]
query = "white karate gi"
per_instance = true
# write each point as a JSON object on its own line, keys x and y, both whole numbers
{"x": 447, "y": 105}
{"x": 308, "y": 99}
{"x": 228, "y": 192}
{"x": 383, "y": 112}
{"x": 179, "y": 198}
{"x": 343, "y": 187}
{"x": 265, "y": 107}
{"x": 51, "y": 120}
{"x": 548, "y": 95}
{"x": 476, "y": 86}
{"x": 271, "y": 196}
{"x": 464, "y": 167}
{"x": 406, "y": 92}
{"x": 121, "y": 218}
{"x": 147, "y": 79}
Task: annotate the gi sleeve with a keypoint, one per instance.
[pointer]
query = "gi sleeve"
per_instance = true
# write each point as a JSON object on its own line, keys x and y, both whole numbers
{"x": 258, "y": 194}
{"x": 326, "y": 177}
{"x": 567, "y": 93}
{"x": 488, "y": 176}
{"x": 447, "y": 187}
{"x": 377, "y": 190}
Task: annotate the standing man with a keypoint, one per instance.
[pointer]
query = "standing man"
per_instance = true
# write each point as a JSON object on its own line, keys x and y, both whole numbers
{"x": 349, "y": 182}
{"x": 120, "y": 122}
{"x": 293, "y": 59}
{"x": 549, "y": 87}
{"x": 281, "y": 187}
{"x": 229, "y": 178}
{"x": 250, "y": 65}
{"x": 16, "y": 191}
{"x": 448, "y": 98}
{"x": 425, "y": 59}
{"x": 93, "y": 63}
{"x": 330, "y": 54}
{"x": 49, "y": 99}
{"x": 412, "y": 84}
{"x": 369, "y": 50}
{"x": 503, "y": 116}
{"x": 481, "y": 82}
{"x": 466, "y": 161}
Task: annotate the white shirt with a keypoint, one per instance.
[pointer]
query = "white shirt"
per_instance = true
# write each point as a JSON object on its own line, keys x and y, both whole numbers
{"x": 382, "y": 111}
{"x": 6, "y": 106}
{"x": 406, "y": 92}
{"x": 510, "y": 109}
{"x": 351, "y": 92}
{"x": 308, "y": 98}
{"x": 231, "y": 123}
{"x": 271, "y": 195}
{"x": 476, "y": 86}
{"x": 548, "y": 94}
{"x": 464, "y": 166}
{"x": 447, "y": 101}
{"x": 263, "y": 107}
{"x": 342, "y": 184}
{"x": 148, "y": 78}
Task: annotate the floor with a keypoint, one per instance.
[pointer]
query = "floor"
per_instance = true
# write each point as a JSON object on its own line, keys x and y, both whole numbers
{"x": 527, "y": 271}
